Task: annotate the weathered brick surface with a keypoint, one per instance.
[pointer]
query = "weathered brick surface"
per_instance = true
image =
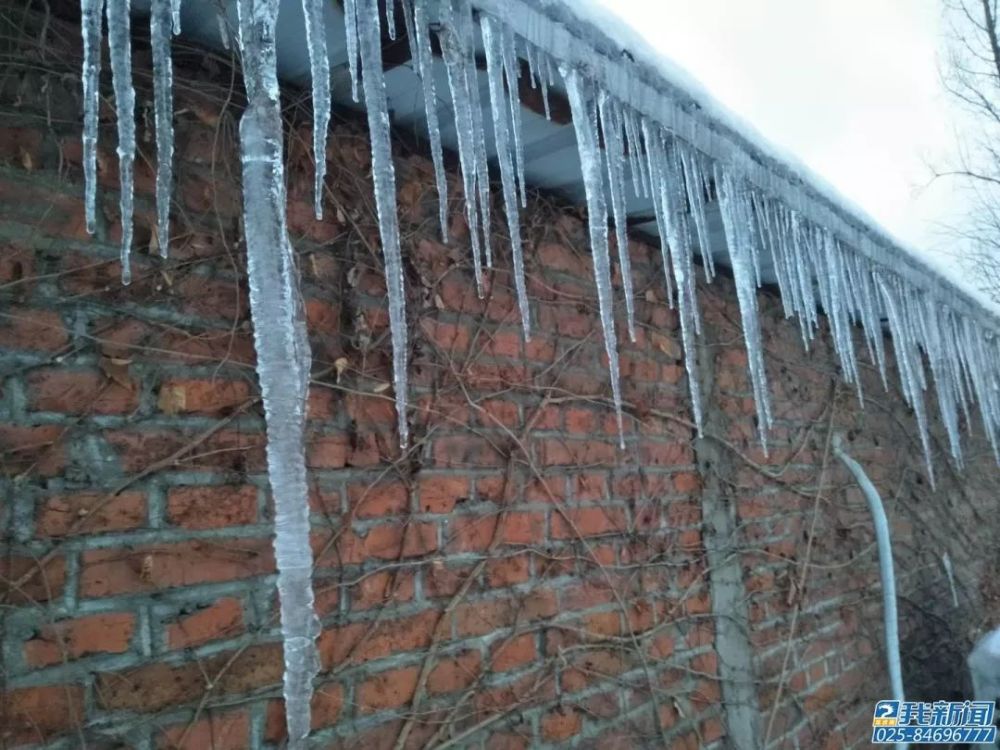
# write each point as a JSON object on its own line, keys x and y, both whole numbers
{"x": 553, "y": 589}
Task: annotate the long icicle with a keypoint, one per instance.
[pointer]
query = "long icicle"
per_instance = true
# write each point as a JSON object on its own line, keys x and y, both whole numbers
{"x": 458, "y": 82}
{"x": 512, "y": 68}
{"x": 384, "y": 176}
{"x": 175, "y": 16}
{"x": 425, "y": 67}
{"x": 319, "y": 63}
{"x": 582, "y": 107}
{"x": 492, "y": 41}
{"x": 283, "y": 357}
{"x": 163, "y": 100}
{"x": 351, "y": 38}
{"x": 611, "y": 126}
{"x": 737, "y": 222}
{"x": 120, "y": 46}
{"x": 92, "y": 15}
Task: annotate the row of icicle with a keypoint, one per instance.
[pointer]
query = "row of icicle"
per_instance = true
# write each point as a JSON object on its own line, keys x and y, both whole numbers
{"x": 620, "y": 149}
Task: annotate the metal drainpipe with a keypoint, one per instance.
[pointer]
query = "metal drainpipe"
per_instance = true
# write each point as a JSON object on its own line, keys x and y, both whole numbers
{"x": 881, "y": 524}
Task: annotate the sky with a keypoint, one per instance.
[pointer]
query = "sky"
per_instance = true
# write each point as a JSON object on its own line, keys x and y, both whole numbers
{"x": 851, "y": 88}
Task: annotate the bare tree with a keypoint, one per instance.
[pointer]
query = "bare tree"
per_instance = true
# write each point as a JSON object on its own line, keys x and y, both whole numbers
{"x": 971, "y": 74}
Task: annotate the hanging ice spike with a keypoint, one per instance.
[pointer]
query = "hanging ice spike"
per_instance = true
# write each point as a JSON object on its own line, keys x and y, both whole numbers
{"x": 163, "y": 99}
{"x": 425, "y": 62}
{"x": 319, "y": 64}
{"x": 120, "y": 47}
{"x": 384, "y": 178}
{"x": 583, "y": 107}
{"x": 283, "y": 357}
{"x": 92, "y": 12}
{"x": 495, "y": 69}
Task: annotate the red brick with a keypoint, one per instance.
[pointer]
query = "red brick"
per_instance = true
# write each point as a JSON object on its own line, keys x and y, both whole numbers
{"x": 553, "y": 257}
{"x": 687, "y": 482}
{"x": 155, "y": 686}
{"x": 447, "y": 336}
{"x": 108, "y": 572}
{"x": 228, "y": 730}
{"x": 523, "y": 527}
{"x": 481, "y": 618}
{"x": 79, "y": 392}
{"x": 23, "y": 328}
{"x": 588, "y": 522}
{"x": 90, "y": 512}
{"x": 327, "y": 452}
{"x": 211, "y": 507}
{"x": 389, "y": 542}
{"x": 560, "y": 724}
{"x": 514, "y": 653}
{"x": 451, "y": 674}
{"x": 32, "y": 451}
{"x": 390, "y": 689}
{"x": 386, "y": 498}
{"x": 34, "y": 715}
{"x": 222, "y": 619}
{"x": 41, "y": 583}
{"x": 580, "y": 453}
{"x": 466, "y": 451}
{"x": 215, "y": 396}
{"x": 232, "y": 450}
{"x": 508, "y": 571}
{"x": 73, "y": 639}
{"x": 439, "y": 494}
{"x": 381, "y": 588}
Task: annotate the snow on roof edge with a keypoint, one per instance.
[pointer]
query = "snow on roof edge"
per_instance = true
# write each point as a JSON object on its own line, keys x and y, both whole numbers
{"x": 588, "y": 35}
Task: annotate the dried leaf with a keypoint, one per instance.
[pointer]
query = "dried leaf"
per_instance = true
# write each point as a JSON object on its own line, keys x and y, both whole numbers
{"x": 116, "y": 370}
{"x": 381, "y": 387}
{"x": 340, "y": 364}
{"x": 26, "y": 161}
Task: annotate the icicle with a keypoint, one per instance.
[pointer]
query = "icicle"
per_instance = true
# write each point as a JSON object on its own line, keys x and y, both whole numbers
{"x": 120, "y": 45}
{"x": 666, "y": 183}
{"x": 640, "y": 176}
{"x": 597, "y": 215}
{"x": 531, "y": 57}
{"x": 384, "y": 176}
{"x": 411, "y": 32}
{"x": 545, "y": 78}
{"x": 163, "y": 99}
{"x": 175, "y": 14}
{"x": 425, "y": 61}
{"x": 901, "y": 343}
{"x": 512, "y": 70}
{"x": 614, "y": 149}
{"x": 351, "y": 32}
{"x": 220, "y": 21}
{"x": 454, "y": 59}
{"x": 463, "y": 24}
{"x": 283, "y": 358}
{"x": 319, "y": 63}
{"x": 492, "y": 42}
{"x": 943, "y": 377}
{"x": 694, "y": 181}
{"x": 92, "y": 12}
{"x": 390, "y": 18}
{"x": 653, "y": 150}
{"x": 737, "y": 222}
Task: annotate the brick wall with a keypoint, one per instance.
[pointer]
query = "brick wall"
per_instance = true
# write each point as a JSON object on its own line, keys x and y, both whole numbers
{"x": 512, "y": 580}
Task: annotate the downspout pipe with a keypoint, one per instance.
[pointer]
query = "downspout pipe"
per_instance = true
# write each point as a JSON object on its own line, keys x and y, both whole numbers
{"x": 881, "y": 524}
